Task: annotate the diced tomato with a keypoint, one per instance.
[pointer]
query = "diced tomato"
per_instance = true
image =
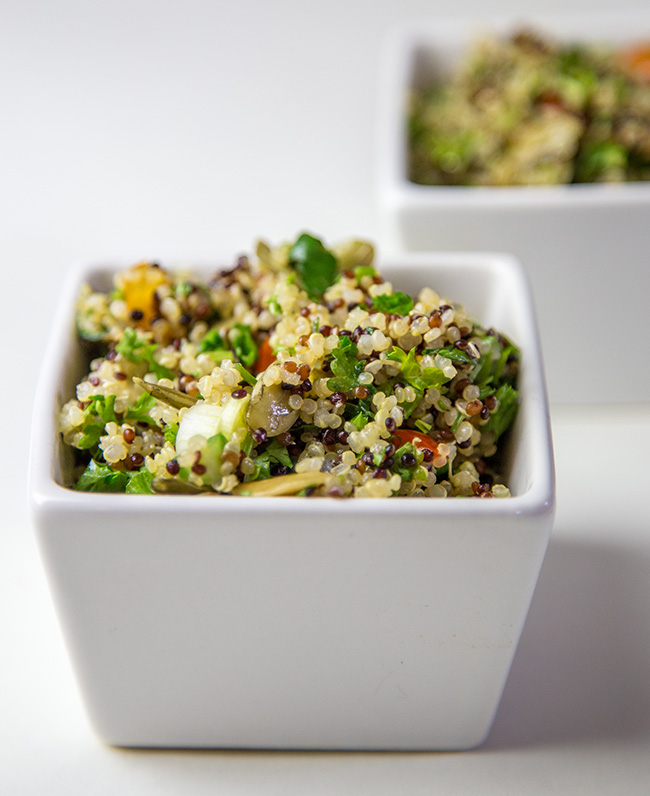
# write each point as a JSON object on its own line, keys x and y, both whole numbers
{"x": 417, "y": 438}
{"x": 552, "y": 100}
{"x": 265, "y": 356}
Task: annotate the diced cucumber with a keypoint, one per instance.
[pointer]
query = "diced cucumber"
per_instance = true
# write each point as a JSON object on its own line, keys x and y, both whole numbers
{"x": 201, "y": 420}
{"x": 233, "y": 415}
{"x": 206, "y": 420}
{"x": 211, "y": 458}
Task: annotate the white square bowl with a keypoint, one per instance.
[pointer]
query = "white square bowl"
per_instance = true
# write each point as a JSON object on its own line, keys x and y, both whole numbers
{"x": 299, "y": 622}
{"x": 585, "y": 246}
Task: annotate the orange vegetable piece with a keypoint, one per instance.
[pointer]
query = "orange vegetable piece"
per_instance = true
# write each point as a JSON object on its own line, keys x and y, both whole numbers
{"x": 265, "y": 356}
{"x": 636, "y": 61}
{"x": 421, "y": 441}
{"x": 139, "y": 285}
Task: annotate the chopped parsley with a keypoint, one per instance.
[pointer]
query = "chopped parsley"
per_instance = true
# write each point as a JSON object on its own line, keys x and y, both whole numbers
{"x": 504, "y": 415}
{"x": 345, "y": 366}
{"x": 139, "y": 412}
{"x": 455, "y": 354}
{"x": 398, "y": 303}
{"x": 212, "y": 341}
{"x": 243, "y": 345}
{"x": 137, "y": 350}
{"x": 99, "y": 411}
{"x": 104, "y": 478}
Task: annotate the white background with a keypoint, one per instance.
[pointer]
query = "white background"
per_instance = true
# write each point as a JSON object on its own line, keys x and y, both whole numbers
{"x": 184, "y": 131}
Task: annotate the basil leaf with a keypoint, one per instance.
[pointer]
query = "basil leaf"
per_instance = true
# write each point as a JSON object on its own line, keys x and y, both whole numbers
{"x": 316, "y": 266}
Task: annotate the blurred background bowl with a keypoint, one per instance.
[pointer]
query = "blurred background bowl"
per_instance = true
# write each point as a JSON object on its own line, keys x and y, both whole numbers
{"x": 585, "y": 246}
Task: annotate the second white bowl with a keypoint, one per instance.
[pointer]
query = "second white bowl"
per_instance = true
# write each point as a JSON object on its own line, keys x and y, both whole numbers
{"x": 585, "y": 246}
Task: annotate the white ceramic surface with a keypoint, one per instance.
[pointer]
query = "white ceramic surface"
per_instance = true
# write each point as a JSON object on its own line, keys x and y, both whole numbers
{"x": 300, "y": 623}
{"x": 585, "y": 246}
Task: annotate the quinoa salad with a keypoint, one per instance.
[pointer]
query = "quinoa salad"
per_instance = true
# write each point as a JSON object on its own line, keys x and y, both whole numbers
{"x": 297, "y": 371}
{"x": 527, "y": 110}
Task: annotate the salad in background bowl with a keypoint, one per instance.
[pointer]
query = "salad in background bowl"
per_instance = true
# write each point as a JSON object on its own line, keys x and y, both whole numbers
{"x": 581, "y": 228}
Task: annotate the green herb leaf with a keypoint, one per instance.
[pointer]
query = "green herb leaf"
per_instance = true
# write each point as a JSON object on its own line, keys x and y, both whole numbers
{"x": 345, "y": 366}
{"x": 406, "y": 473}
{"x": 397, "y": 302}
{"x": 183, "y": 289}
{"x": 243, "y": 345}
{"x": 274, "y": 306}
{"x": 212, "y": 341}
{"x": 105, "y": 407}
{"x": 359, "y": 420}
{"x": 170, "y": 433}
{"x": 412, "y": 372}
{"x": 137, "y": 350}
{"x": 101, "y": 478}
{"x": 139, "y": 412}
{"x": 92, "y": 431}
{"x": 454, "y": 354}
{"x": 262, "y": 467}
{"x": 140, "y": 483}
{"x": 278, "y": 453}
{"x": 316, "y": 266}
{"x": 503, "y": 416}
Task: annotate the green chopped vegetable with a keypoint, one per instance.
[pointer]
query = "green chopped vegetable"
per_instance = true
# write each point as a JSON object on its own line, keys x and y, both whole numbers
{"x": 245, "y": 374}
{"x": 211, "y": 458}
{"x": 364, "y": 270}
{"x": 170, "y": 433}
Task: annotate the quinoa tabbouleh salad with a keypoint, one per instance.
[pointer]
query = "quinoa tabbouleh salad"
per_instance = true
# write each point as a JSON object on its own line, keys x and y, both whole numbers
{"x": 527, "y": 110}
{"x": 299, "y": 371}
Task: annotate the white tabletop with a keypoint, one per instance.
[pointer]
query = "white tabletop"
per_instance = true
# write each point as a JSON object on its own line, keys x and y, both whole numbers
{"x": 186, "y": 130}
